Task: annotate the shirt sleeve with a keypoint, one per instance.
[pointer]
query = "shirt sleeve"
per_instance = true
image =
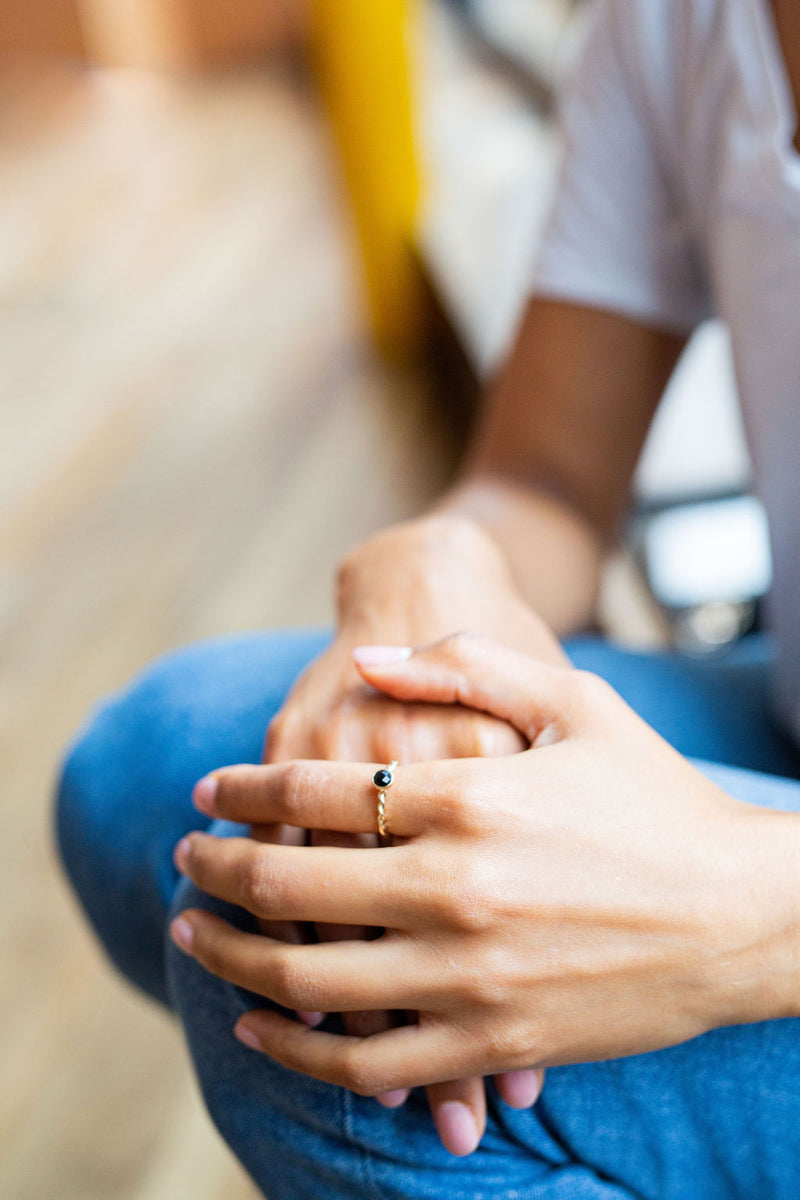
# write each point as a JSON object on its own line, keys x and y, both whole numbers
{"x": 618, "y": 237}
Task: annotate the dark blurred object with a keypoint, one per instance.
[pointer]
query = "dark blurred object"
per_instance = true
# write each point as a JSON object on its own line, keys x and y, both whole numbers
{"x": 160, "y": 34}
{"x": 707, "y": 563}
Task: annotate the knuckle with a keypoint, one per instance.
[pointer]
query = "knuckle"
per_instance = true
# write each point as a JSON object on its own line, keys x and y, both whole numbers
{"x": 355, "y": 1072}
{"x": 256, "y": 885}
{"x": 468, "y": 902}
{"x": 286, "y": 981}
{"x": 463, "y": 647}
{"x": 506, "y": 1046}
{"x": 463, "y": 807}
{"x": 494, "y": 739}
{"x": 590, "y": 690}
{"x": 295, "y": 783}
{"x": 485, "y": 740}
{"x": 490, "y": 984}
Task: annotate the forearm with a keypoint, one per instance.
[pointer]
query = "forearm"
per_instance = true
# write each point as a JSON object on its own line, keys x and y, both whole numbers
{"x": 562, "y": 427}
{"x": 548, "y": 475}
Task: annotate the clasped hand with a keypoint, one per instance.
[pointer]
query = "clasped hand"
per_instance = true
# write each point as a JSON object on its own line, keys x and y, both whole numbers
{"x": 569, "y": 903}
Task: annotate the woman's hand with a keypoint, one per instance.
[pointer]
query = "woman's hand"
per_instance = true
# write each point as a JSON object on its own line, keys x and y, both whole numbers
{"x": 590, "y": 898}
{"x": 412, "y": 583}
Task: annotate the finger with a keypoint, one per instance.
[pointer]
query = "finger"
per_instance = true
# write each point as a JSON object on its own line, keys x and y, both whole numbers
{"x": 287, "y": 883}
{"x": 407, "y": 1057}
{"x": 360, "y": 1024}
{"x": 520, "y": 1089}
{"x": 417, "y": 733}
{"x": 293, "y": 932}
{"x": 399, "y": 1096}
{"x": 341, "y": 977}
{"x": 281, "y": 835}
{"x": 459, "y": 1114}
{"x": 315, "y": 794}
{"x": 478, "y": 673}
{"x": 366, "y": 1023}
{"x": 326, "y": 931}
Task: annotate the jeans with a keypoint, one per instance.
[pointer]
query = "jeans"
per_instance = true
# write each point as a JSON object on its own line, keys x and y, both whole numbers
{"x": 715, "y": 1118}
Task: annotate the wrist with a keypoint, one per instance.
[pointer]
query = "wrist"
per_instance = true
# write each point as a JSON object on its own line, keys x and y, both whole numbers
{"x": 758, "y": 967}
{"x": 554, "y": 554}
{"x": 425, "y": 560}
{"x": 420, "y": 582}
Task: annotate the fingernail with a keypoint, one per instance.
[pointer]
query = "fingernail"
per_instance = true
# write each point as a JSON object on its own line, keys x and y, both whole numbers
{"x": 182, "y": 933}
{"x": 457, "y": 1128}
{"x": 181, "y": 854}
{"x": 204, "y": 795}
{"x": 247, "y": 1037}
{"x": 311, "y": 1018}
{"x": 378, "y": 656}
{"x": 521, "y": 1089}
{"x": 394, "y": 1099}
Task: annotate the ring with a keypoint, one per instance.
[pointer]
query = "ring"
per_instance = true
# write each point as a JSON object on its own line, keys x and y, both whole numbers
{"x": 383, "y": 780}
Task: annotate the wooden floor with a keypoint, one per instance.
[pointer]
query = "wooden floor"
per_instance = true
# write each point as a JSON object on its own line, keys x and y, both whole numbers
{"x": 193, "y": 428}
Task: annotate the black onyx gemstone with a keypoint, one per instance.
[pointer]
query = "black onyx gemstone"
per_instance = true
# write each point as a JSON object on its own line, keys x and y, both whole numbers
{"x": 382, "y": 779}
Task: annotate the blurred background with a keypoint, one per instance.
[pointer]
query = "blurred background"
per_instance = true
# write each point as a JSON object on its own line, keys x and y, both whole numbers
{"x": 256, "y": 259}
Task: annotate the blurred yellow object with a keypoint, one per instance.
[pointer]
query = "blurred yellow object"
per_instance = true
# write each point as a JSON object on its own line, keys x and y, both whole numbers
{"x": 361, "y": 51}
{"x": 362, "y": 59}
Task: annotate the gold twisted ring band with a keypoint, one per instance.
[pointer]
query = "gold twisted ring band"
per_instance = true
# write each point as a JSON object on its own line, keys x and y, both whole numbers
{"x": 383, "y": 780}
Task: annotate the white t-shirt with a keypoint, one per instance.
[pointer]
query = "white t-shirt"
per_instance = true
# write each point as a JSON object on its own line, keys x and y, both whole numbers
{"x": 679, "y": 199}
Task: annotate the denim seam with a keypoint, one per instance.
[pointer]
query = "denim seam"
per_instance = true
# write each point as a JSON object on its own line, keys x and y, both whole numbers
{"x": 369, "y": 1181}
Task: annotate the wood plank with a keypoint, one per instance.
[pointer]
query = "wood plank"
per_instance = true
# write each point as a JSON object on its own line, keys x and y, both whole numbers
{"x": 190, "y": 420}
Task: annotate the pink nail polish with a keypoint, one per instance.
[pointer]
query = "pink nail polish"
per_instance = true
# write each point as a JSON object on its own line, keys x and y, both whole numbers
{"x": 379, "y": 656}
{"x": 204, "y": 795}
{"x": 394, "y": 1099}
{"x": 181, "y": 854}
{"x": 312, "y": 1018}
{"x": 182, "y": 933}
{"x": 457, "y": 1128}
{"x": 247, "y": 1037}
{"x": 521, "y": 1089}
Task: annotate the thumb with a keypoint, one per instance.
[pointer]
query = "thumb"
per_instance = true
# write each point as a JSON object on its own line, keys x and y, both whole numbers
{"x": 480, "y": 674}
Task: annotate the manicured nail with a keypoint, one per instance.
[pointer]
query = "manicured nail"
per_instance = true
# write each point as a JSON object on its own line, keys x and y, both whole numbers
{"x": 311, "y": 1018}
{"x": 521, "y": 1089}
{"x": 181, "y": 854}
{"x": 394, "y": 1099}
{"x": 204, "y": 795}
{"x": 457, "y": 1128}
{"x": 182, "y": 934}
{"x": 247, "y": 1037}
{"x": 379, "y": 656}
